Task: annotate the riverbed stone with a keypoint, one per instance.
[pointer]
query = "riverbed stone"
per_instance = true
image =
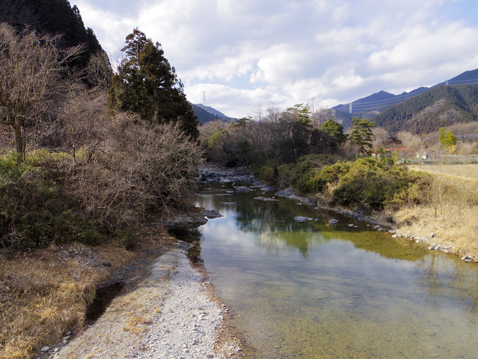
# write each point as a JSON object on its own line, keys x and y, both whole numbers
{"x": 302, "y": 219}
{"x": 243, "y": 189}
{"x": 211, "y": 214}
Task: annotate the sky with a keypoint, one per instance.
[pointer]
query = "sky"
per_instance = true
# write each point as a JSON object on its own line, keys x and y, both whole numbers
{"x": 241, "y": 56}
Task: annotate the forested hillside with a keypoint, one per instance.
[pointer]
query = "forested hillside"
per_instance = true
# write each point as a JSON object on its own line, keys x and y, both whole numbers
{"x": 53, "y": 17}
{"x": 207, "y": 114}
{"x": 439, "y": 107}
{"x": 373, "y": 105}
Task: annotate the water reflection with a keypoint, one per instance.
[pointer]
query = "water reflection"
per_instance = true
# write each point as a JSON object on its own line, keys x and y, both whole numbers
{"x": 314, "y": 291}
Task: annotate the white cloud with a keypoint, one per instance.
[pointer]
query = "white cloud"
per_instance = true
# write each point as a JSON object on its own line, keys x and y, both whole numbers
{"x": 425, "y": 46}
{"x": 286, "y": 52}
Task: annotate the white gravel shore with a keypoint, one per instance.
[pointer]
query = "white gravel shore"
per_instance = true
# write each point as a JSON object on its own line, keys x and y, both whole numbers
{"x": 171, "y": 314}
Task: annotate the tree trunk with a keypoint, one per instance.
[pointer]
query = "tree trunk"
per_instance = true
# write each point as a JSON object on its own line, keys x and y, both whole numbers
{"x": 17, "y": 128}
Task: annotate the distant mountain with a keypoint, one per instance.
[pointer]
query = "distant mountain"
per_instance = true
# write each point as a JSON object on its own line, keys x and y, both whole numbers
{"x": 207, "y": 114}
{"x": 438, "y": 107}
{"x": 373, "y": 105}
{"x": 209, "y": 109}
{"x": 466, "y": 78}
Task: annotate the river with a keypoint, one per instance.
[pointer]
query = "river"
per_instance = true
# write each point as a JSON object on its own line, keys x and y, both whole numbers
{"x": 315, "y": 290}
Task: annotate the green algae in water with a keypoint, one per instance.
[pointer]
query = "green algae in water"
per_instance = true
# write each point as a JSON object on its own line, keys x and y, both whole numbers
{"x": 311, "y": 290}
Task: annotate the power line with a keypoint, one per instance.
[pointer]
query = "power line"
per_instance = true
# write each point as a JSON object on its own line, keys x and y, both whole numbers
{"x": 357, "y": 106}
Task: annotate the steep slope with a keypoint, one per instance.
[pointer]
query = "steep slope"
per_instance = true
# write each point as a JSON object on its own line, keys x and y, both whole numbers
{"x": 54, "y": 17}
{"x": 203, "y": 115}
{"x": 208, "y": 114}
{"x": 438, "y": 107}
{"x": 212, "y": 110}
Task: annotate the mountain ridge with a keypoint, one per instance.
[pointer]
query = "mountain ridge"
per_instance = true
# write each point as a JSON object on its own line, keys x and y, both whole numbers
{"x": 439, "y": 107}
{"x": 207, "y": 114}
{"x": 382, "y": 100}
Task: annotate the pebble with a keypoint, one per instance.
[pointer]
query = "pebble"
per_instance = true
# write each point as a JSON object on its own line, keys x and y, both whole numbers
{"x": 186, "y": 326}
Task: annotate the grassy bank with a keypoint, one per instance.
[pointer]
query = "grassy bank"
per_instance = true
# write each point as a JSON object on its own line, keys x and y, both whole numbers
{"x": 450, "y": 211}
{"x": 45, "y": 293}
{"x": 419, "y": 200}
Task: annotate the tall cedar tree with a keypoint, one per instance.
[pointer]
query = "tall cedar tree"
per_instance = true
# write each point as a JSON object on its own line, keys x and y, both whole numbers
{"x": 362, "y": 134}
{"x": 146, "y": 84}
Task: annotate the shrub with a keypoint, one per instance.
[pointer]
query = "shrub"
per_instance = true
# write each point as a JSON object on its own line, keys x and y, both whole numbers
{"x": 37, "y": 209}
{"x": 139, "y": 169}
{"x": 267, "y": 173}
{"x": 372, "y": 184}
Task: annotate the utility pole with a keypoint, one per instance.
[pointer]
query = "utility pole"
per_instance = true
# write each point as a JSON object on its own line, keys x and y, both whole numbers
{"x": 350, "y": 108}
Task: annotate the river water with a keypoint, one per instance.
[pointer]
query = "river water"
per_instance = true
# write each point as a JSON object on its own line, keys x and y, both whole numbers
{"x": 312, "y": 290}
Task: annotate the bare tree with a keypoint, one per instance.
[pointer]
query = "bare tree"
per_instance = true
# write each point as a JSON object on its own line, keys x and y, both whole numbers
{"x": 411, "y": 140}
{"x": 380, "y": 135}
{"x": 315, "y": 109}
{"x": 33, "y": 78}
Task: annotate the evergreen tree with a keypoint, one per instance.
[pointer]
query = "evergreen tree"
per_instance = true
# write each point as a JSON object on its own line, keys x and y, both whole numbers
{"x": 362, "y": 134}
{"x": 146, "y": 84}
{"x": 336, "y": 131}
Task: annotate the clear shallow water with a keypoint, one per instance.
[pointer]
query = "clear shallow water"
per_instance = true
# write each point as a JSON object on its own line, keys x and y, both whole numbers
{"x": 311, "y": 290}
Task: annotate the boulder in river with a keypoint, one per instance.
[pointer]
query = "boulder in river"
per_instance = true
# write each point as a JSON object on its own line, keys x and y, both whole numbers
{"x": 211, "y": 214}
{"x": 302, "y": 219}
{"x": 185, "y": 220}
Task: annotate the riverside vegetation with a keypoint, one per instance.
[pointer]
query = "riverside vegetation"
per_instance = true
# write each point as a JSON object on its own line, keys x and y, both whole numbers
{"x": 80, "y": 170}
{"x": 88, "y": 154}
{"x": 342, "y": 173}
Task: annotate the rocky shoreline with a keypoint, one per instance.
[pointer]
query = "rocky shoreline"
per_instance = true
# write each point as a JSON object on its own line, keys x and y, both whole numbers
{"x": 173, "y": 312}
{"x": 220, "y": 175}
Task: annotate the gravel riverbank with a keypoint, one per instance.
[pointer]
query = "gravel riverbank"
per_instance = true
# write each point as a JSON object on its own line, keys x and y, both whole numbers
{"x": 172, "y": 313}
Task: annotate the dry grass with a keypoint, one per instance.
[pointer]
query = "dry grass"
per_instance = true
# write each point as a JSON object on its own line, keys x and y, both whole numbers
{"x": 42, "y": 297}
{"x": 451, "y": 209}
{"x": 134, "y": 322}
{"x": 466, "y": 172}
{"x": 45, "y": 294}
